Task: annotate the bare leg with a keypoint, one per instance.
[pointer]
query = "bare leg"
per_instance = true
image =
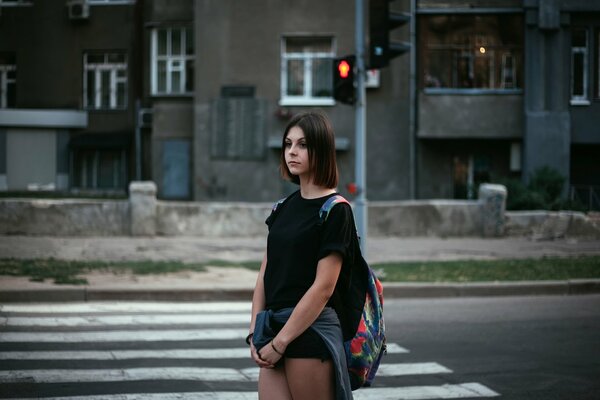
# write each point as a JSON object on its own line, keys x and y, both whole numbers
{"x": 273, "y": 385}
{"x": 310, "y": 378}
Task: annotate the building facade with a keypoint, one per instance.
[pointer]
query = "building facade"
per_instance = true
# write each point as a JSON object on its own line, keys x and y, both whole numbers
{"x": 68, "y": 88}
{"x": 195, "y": 95}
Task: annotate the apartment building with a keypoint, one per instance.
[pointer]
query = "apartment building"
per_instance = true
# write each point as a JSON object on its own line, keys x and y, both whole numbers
{"x": 195, "y": 95}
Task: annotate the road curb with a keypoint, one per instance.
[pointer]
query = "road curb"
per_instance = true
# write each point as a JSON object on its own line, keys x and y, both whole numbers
{"x": 391, "y": 291}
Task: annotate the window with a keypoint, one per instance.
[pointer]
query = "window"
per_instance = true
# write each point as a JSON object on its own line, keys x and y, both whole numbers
{"x": 4, "y": 3}
{"x": 579, "y": 67}
{"x": 306, "y": 71}
{"x": 99, "y": 169}
{"x": 597, "y": 69}
{"x": 471, "y": 52}
{"x": 105, "y": 81}
{"x": 468, "y": 173}
{"x": 172, "y": 61}
{"x": 100, "y": 2}
{"x": 8, "y": 80}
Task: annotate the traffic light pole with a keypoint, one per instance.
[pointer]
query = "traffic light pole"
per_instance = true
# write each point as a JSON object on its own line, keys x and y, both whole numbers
{"x": 360, "y": 109}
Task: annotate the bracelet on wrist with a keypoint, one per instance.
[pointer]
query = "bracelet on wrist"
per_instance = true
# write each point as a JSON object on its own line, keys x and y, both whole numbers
{"x": 275, "y": 349}
{"x": 248, "y": 338}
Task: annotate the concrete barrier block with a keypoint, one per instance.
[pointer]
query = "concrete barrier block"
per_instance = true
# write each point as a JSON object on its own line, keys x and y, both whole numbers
{"x": 142, "y": 199}
{"x": 493, "y": 206}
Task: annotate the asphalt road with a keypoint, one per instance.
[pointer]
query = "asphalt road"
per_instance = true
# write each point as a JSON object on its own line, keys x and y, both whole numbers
{"x": 515, "y": 347}
{"x": 521, "y": 347}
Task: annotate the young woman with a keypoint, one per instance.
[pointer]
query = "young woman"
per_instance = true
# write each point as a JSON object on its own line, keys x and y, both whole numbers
{"x": 295, "y": 335}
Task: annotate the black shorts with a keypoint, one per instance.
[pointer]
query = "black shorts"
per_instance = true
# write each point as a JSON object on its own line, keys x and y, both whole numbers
{"x": 308, "y": 345}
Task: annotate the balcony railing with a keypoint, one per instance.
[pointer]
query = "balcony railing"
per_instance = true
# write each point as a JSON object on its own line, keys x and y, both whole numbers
{"x": 586, "y": 195}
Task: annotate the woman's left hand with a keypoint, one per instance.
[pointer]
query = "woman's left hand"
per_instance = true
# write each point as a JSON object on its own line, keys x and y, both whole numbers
{"x": 268, "y": 353}
{"x": 257, "y": 359}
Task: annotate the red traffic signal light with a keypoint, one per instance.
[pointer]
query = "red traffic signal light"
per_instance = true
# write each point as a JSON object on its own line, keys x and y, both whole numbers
{"x": 344, "y": 69}
{"x": 343, "y": 80}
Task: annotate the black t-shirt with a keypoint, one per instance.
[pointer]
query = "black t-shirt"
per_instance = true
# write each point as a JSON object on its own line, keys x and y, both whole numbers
{"x": 296, "y": 243}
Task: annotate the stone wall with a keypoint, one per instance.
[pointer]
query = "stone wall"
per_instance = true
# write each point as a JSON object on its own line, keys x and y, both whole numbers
{"x": 144, "y": 215}
{"x": 64, "y": 217}
{"x": 551, "y": 224}
{"x": 425, "y": 218}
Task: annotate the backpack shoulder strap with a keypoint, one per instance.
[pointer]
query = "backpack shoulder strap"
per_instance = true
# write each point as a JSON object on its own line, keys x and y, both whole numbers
{"x": 277, "y": 204}
{"x": 328, "y": 205}
{"x": 275, "y": 209}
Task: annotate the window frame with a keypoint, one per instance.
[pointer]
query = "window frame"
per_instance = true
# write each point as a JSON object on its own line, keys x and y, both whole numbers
{"x": 15, "y": 3}
{"x": 584, "y": 99}
{"x": 110, "y": 2}
{"x": 114, "y": 80}
{"x": 495, "y": 54}
{"x": 597, "y": 69}
{"x": 308, "y": 57}
{"x": 171, "y": 60}
{"x": 87, "y": 165}
{"x": 5, "y": 81}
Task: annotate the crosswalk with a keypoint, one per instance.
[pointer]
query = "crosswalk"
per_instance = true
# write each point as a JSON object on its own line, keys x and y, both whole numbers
{"x": 114, "y": 351}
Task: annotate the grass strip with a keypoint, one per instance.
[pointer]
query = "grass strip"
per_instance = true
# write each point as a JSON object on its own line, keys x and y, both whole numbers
{"x": 73, "y": 272}
{"x": 582, "y": 267}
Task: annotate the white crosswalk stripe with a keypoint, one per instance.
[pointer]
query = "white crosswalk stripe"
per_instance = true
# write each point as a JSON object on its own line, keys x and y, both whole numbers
{"x": 460, "y": 391}
{"x": 124, "y": 336}
{"x": 75, "y": 345}
{"x": 194, "y": 374}
{"x": 124, "y": 307}
{"x": 221, "y": 353}
{"x": 128, "y": 320}
{"x": 209, "y": 354}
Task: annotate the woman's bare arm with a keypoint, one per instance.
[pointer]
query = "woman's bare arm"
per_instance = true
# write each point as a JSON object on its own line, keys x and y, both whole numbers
{"x": 309, "y": 307}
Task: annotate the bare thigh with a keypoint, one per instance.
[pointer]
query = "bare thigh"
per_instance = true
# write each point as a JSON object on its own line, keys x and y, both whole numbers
{"x": 273, "y": 385}
{"x": 310, "y": 378}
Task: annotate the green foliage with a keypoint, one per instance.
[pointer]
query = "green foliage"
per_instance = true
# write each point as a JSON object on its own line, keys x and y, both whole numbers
{"x": 542, "y": 193}
{"x": 72, "y": 272}
{"x": 587, "y": 267}
{"x": 548, "y": 183}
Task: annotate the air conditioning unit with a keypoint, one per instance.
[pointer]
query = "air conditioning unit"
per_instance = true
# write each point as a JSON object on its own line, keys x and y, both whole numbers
{"x": 78, "y": 9}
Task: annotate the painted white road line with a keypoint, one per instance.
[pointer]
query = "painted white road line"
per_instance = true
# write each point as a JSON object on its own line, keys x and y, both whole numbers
{"x": 212, "y": 354}
{"x": 124, "y": 336}
{"x": 162, "y": 396}
{"x": 458, "y": 391}
{"x": 412, "y": 369}
{"x": 389, "y": 370}
{"x": 393, "y": 348}
{"x": 121, "y": 375}
{"x": 174, "y": 373}
{"x": 112, "y": 320}
{"x": 103, "y": 307}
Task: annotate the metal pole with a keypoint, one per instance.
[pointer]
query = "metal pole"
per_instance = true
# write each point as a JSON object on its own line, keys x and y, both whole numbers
{"x": 412, "y": 176}
{"x": 361, "y": 209}
{"x": 138, "y": 141}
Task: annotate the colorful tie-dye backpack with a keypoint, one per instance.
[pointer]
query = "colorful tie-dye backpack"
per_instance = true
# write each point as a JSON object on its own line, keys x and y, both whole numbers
{"x": 359, "y": 296}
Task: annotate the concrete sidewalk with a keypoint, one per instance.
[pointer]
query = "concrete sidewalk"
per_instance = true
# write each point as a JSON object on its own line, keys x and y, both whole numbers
{"x": 219, "y": 283}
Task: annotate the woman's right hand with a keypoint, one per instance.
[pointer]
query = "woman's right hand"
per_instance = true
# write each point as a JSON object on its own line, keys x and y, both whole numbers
{"x": 256, "y": 357}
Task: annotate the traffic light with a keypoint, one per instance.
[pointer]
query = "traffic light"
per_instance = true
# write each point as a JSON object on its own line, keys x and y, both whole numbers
{"x": 381, "y": 22}
{"x": 343, "y": 80}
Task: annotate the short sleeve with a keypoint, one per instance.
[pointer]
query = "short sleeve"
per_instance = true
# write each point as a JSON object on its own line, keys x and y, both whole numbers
{"x": 269, "y": 220}
{"x": 337, "y": 232}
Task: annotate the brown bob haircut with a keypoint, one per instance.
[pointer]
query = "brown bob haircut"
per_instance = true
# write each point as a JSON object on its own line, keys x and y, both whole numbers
{"x": 320, "y": 142}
